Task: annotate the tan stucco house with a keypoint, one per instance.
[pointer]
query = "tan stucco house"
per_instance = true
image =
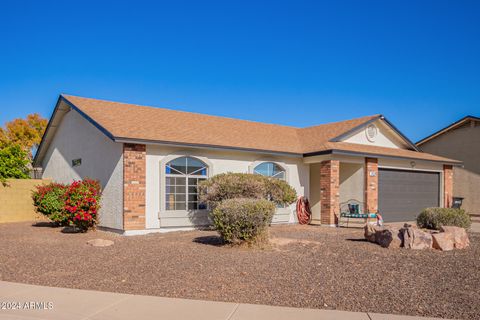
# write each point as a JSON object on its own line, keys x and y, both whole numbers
{"x": 460, "y": 140}
{"x": 149, "y": 161}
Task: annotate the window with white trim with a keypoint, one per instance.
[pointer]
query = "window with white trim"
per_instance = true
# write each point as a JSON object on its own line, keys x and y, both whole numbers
{"x": 273, "y": 170}
{"x": 182, "y": 176}
{"x": 270, "y": 169}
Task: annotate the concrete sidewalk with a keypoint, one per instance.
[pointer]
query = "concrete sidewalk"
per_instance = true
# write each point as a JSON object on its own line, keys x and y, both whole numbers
{"x": 72, "y": 304}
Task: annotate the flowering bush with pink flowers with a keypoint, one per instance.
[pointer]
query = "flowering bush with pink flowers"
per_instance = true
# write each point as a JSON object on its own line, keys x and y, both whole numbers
{"x": 74, "y": 205}
{"x": 82, "y": 201}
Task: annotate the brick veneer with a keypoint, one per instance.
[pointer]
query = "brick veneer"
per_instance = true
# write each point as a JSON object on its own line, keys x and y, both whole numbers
{"x": 329, "y": 188}
{"x": 447, "y": 185}
{"x": 134, "y": 167}
{"x": 371, "y": 184}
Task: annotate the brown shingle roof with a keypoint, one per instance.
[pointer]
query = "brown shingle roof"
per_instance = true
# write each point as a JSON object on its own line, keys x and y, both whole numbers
{"x": 129, "y": 121}
{"x": 392, "y": 152}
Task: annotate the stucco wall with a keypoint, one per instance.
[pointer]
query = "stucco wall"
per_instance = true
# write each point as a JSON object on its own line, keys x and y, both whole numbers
{"x": 462, "y": 144}
{"x": 385, "y": 137}
{"x": 352, "y": 181}
{"x": 220, "y": 162}
{"x": 101, "y": 158}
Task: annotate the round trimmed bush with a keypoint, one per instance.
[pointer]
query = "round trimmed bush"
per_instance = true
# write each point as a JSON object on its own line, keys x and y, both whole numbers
{"x": 244, "y": 185}
{"x": 243, "y": 220}
{"x": 49, "y": 200}
{"x": 434, "y": 218}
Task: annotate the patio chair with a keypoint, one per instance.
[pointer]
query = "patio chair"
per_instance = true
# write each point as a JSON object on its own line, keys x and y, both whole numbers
{"x": 354, "y": 209}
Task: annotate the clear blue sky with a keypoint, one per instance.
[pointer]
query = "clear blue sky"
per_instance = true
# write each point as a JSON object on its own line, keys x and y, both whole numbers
{"x": 288, "y": 62}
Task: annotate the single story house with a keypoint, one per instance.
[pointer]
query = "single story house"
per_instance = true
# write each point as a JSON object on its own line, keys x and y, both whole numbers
{"x": 460, "y": 140}
{"x": 149, "y": 161}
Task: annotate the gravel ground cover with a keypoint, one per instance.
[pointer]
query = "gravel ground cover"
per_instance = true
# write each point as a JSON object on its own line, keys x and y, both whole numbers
{"x": 307, "y": 266}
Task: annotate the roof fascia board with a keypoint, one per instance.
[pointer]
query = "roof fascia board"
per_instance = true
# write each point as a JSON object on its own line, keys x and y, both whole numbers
{"x": 377, "y": 155}
{"x": 89, "y": 119}
{"x": 47, "y": 130}
{"x": 397, "y": 131}
{"x": 61, "y": 98}
{"x": 205, "y": 146}
{"x": 446, "y": 129}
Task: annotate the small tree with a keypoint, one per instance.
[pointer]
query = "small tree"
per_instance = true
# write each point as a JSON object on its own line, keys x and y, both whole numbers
{"x": 14, "y": 162}
{"x": 27, "y": 133}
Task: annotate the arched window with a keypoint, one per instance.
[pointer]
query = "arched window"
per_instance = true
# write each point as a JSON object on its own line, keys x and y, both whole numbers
{"x": 270, "y": 169}
{"x": 181, "y": 179}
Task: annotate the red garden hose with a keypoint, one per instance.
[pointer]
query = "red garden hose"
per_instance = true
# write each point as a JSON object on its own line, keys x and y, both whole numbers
{"x": 304, "y": 213}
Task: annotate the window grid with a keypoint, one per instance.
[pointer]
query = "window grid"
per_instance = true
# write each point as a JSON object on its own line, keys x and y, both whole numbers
{"x": 181, "y": 183}
{"x": 272, "y": 170}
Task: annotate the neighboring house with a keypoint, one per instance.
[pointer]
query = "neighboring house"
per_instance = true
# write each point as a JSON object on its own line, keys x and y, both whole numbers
{"x": 149, "y": 161}
{"x": 460, "y": 140}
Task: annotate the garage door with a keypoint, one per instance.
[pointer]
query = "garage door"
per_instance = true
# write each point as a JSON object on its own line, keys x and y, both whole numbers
{"x": 402, "y": 195}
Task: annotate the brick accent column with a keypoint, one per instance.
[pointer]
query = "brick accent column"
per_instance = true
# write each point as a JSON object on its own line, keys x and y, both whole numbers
{"x": 330, "y": 191}
{"x": 371, "y": 185}
{"x": 447, "y": 186}
{"x": 134, "y": 168}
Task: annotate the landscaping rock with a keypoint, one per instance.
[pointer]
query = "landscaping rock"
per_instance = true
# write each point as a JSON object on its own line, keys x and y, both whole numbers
{"x": 370, "y": 230}
{"x": 460, "y": 237}
{"x": 443, "y": 241}
{"x": 390, "y": 237}
{"x": 100, "y": 243}
{"x": 416, "y": 239}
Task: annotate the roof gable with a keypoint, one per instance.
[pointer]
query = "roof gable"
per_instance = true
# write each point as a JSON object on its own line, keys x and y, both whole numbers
{"x": 377, "y": 133}
{"x": 457, "y": 124}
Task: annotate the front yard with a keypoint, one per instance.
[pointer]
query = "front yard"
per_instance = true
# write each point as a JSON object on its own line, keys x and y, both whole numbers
{"x": 313, "y": 267}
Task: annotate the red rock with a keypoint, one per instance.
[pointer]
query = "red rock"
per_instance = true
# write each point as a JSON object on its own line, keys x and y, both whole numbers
{"x": 460, "y": 236}
{"x": 443, "y": 241}
{"x": 416, "y": 239}
{"x": 389, "y": 238}
{"x": 370, "y": 230}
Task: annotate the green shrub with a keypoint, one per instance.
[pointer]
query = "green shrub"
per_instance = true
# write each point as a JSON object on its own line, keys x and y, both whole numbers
{"x": 76, "y": 204}
{"x": 242, "y": 185}
{"x": 434, "y": 218}
{"x": 243, "y": 220}
{"x": 49, "y": 200}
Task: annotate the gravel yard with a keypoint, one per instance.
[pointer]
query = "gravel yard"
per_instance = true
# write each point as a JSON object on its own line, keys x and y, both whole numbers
{"x": 313, "y": 267}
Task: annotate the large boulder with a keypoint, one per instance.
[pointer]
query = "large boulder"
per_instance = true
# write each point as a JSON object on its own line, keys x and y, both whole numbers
{"x": 443, "y": 241}
{"x": 416, "y": 239}
{"x": 370, "y": 230}
{"x": 389, "y": 237}
{"x": 460, "y": 237}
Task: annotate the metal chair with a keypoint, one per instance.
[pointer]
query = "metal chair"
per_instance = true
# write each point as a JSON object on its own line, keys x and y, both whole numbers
{"x": 354, "y": 209}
